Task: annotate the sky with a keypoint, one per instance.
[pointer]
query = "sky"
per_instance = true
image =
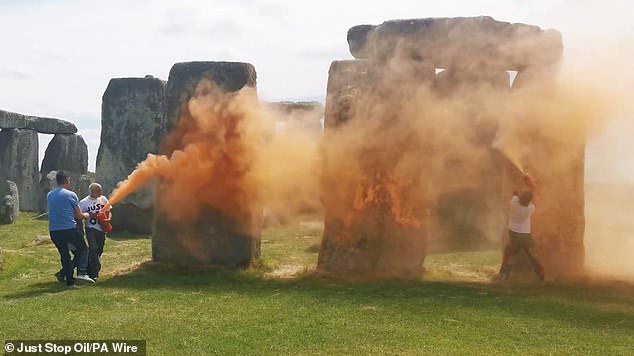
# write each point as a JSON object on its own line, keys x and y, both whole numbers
{"x": 58, "y": 55}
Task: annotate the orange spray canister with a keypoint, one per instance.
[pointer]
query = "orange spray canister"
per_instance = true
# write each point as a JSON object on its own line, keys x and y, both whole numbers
{"x": 103, "y": 217}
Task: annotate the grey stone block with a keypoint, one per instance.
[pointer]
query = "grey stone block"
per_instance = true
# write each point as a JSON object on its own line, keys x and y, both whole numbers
{"x": 70, "y": 154}
{"x": 132, "y": 125}
{"x": 458, "y": 42}
{"x": 9, "y": 202}
{"x": 213, "y": 238}
{"x": 19, "y": 163}
{"x": 45, "y": 125}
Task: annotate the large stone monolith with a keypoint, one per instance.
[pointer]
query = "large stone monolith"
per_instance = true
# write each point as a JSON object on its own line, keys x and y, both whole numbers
{"x": 374, "y": 225}
{"x": 67, "y": 152}
{"x": 19, "y": 163}
{"x": 214, "y": 238}
{"x": 558, "y": 167}
{"x": 9, "y": 202}
{"x": 476, "y": 52}
{"x": 458, "y": 42}
{"x": 132, "y": 125}
{"x": 469, "y": 207}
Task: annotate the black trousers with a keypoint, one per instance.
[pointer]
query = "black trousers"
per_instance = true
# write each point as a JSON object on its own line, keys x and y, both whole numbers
{"x": 62, "y": 239}
{"x": 519, "y": 242}
{"x": 96, "y": 241}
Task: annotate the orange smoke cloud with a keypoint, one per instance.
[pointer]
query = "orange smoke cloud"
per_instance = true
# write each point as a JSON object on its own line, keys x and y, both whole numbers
{"x": 224, "y": 154}
{"x": 387, "y": 194}
{"x": 151, "y": 167}
{"x": 210, "y": 154}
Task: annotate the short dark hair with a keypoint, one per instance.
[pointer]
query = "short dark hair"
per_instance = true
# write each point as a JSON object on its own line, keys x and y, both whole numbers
{"x": 525, "y": 197}
{"x": 61, "y": 177}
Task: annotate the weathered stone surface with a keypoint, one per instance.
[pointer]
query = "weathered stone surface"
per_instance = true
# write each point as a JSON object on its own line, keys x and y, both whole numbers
{"x": 458, "y": 42}
{"x": 45, "y": 125}
{"x": 131, "y": 217}
{"x": 70, "y": 154}
{"x": 347, "y": 81}
{"x": 19, "y": 163}
{"x": 351, "y": 80}
{"x": 9, "y": 202}
{"x": 469, "y": 207}
{"x": 183, "y": 78}
{"x": 459, "y": 82}
{"x": 558, "y": 224}
{"x": 82, "y": 185}
{"x": 132, "y": 125}
{"x": 213, "y": 238}
{"x": 373, "y": 225}
{"x": 302, "y": 115}
{"x": 66, "y": 152}
{"x": 47, "y": 183}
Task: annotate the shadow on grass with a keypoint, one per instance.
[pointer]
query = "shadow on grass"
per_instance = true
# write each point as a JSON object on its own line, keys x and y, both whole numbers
{"x": 38, "y": 289}
{"x": 592, "y": 304}
{"x": 595, "y": 305}
{"x": 124, "y": 235}
{"x": 313, "y": 248}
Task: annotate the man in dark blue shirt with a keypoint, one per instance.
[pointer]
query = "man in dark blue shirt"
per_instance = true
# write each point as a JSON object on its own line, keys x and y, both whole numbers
{"x": 63, "y": 209}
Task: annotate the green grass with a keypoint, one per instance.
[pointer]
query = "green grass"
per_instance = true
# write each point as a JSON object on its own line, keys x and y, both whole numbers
{"x": 454, "y": 310}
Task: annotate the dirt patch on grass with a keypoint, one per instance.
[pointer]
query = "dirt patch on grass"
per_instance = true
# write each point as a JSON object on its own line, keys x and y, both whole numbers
{"x": 290, "y": 271}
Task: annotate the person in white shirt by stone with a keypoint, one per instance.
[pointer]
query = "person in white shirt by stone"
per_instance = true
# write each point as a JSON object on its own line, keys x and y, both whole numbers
{"x": 521, "y": 209}
{"x": 95, "y": 234}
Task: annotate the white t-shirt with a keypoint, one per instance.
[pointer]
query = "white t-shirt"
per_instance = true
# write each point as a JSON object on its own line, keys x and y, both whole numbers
{"x": 92, "y": 205}
{"x": 520, "y": 216}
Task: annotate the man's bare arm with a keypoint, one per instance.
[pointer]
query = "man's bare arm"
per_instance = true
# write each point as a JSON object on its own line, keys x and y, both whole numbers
{"x": 79, "y": 215}
{"x": 530, "y": 182}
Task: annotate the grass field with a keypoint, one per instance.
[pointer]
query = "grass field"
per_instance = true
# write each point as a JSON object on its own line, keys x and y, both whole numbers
{"x": 281, "y": 306}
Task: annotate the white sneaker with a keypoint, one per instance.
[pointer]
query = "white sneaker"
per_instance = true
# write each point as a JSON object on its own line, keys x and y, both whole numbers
{"x": 85, "y": 278}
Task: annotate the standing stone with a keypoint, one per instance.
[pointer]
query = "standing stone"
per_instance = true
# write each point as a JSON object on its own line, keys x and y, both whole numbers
{"x": 82, "y": 187}
{"x": 184, "y": 77}
{"x": 66, "y": 152}
{"x": 373, "y": 224}
{"x": 559, "y": 220}
{"x": 47, "y": 183}
{"x": 9, "y": 202}
{"x": 214, "y": 238}
{"x": 558, "y": 224}
{"x": 132, "y": 125}
{"x": 468, "y": 211}
{"x": 476, "y": 53}
{"x": 19, "y": 163}
{"x": 347, "y": 80}
{"x": 70, "y": 154}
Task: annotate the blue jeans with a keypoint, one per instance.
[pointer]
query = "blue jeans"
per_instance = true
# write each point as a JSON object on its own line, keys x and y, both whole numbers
{"x": 64, "y": 240}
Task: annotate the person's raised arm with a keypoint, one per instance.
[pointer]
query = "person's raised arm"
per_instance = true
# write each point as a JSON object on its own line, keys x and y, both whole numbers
{"x": 530, "y": 182}
{"x": 532, "y": 186}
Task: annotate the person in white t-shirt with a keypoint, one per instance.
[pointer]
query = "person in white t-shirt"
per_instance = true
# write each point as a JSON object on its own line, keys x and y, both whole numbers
{"x": 521, "y": 209}
{"x": 95, "y": 235}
